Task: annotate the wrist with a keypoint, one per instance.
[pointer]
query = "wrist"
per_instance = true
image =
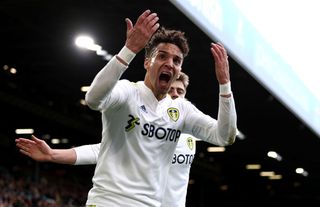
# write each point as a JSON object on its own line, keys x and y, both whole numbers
{"x": 51, "y": 155}
{"x": 225, "y": 89}
{"x": 125, "y": 56}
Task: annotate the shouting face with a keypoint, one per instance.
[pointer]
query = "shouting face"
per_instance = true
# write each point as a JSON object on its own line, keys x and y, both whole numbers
{"x": 163, "y": 67}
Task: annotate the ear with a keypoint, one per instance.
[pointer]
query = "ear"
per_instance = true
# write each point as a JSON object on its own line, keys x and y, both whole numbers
{"x": 146, "y": 63}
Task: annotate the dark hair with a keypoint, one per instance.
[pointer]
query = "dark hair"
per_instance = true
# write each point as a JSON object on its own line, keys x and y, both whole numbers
{"x": 163, "y": 35}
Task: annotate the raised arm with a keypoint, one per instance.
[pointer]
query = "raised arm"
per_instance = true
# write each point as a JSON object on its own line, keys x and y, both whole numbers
{"x": 221, "y": 62}
{"x": 222, "y": 131}
{"x": 227, "y": 116}
{"x": 137, "y": 37}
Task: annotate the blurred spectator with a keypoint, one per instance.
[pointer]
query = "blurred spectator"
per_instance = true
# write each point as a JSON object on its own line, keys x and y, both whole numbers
{"x": 54, "y": 189}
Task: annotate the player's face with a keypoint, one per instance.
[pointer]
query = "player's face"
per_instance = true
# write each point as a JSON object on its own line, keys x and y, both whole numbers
{"x": 163, "y": 68}
{"x": 177, "y": 89}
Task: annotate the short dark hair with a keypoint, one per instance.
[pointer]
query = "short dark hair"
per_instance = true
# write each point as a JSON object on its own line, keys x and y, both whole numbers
{"x": 163, "y": 35}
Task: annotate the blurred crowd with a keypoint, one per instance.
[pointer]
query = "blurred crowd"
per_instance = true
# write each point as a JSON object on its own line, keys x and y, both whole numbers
{"x": 22, "y": 187}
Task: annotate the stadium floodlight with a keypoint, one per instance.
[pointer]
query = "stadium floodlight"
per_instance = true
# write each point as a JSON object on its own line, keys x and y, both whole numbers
{"x": 84, "y": 42}
{"x": 87, "y": 42}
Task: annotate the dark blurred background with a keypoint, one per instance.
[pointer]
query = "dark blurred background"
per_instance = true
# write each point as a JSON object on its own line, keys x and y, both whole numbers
{"x": 42, "y": 71}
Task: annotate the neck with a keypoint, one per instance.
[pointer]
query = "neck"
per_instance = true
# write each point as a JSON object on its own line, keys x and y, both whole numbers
{"x": 159, "y": 96}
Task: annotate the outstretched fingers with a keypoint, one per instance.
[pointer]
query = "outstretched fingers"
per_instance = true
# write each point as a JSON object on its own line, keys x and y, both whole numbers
{"x": 24, "y": 147}
{"x": 143, "y": 16}
{"x": 36, "y": 140}
{"x": 148, "y": 19}
{"x": 219, "y": 52}
{"x": 129, "y": 25}
{"x": 151, "y": 22}
{"x": 139, "y": 34}
{"x": 221, "y": 62}
{"x": 25, "y": 152}
{"x": 24, "y": 141}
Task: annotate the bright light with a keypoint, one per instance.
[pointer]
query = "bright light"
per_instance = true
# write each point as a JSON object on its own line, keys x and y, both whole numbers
{"x": 267, "y": 173}
{"x": 93, "y": 47}
{"x": 275, "y": 177}
{"x": 13, "y": 70}
{"x": 87, "y": 42}
{"x": 274, "y": 155}
{"x": 84, "y": 41}
{"x": 253, "y": 166}
{"x": 24, "y": 131}
{"x": 83, "y": 102}
{"x": 55, "y": 141}
{"x": 301, "y": 171}
{"x": 84, "y": 88}
{"x": 108, "y": 57}
{"x": 101, "y": 52}
{"x": 216, "y": 149}
{"x": 240, "y": 135}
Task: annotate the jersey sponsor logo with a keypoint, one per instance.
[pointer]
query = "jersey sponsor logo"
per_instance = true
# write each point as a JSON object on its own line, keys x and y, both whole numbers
{"x": 173, "y": 113}
{"x": 132, "y": 122}
{"x": 190, "y": 143}
{"x": 167, "y": 134}
{"x": 182, "y": 159}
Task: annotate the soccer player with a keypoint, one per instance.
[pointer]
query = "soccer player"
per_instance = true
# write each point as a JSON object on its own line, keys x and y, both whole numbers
{"x": 178, "y": 178}
{"x": 141, "y": 124}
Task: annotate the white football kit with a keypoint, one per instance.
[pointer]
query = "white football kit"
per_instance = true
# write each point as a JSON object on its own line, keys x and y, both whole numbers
{"x": 178, "y": 177}
{"x": 140, "y": 135}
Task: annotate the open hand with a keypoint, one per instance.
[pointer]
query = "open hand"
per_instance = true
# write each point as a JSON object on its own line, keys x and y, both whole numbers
{"x": 139, "y": 34}
{"x": 35, "y": 148}
{"x": 221, "y": 62}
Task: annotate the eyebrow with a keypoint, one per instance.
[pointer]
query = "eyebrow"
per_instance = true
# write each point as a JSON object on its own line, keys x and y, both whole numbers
{"x": 162, "y": 51}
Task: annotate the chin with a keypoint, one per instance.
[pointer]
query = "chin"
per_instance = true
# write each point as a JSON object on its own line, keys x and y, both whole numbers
{"x": 164, "y": 90}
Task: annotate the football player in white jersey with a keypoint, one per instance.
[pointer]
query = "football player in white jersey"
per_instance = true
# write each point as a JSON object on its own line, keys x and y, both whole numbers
{"x": 178, "y": 178}
{"x": 141, "y": 124}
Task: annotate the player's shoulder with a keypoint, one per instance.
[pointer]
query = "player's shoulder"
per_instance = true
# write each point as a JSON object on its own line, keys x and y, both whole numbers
{"x": 187, "y": 136}
{"x": 184, "y": 104}
{"x": 180, "y": 101}
{"x": 127, "y": 82}
{"x": 128, "y": 85}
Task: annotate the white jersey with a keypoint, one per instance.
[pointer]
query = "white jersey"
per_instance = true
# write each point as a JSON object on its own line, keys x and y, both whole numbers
{"x": 87, "y": 154}
{"x": 140, "y": 135}
{"x": 178, "y": 177}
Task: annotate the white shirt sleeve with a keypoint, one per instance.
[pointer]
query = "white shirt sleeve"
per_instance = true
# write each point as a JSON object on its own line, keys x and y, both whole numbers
{"x": 103, "y": 83}
{"x": 219, "y": 132}
{"x": 87, "y": 154}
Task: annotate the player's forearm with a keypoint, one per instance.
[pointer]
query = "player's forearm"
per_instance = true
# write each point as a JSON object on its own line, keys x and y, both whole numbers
{"x": 227, "y": 116}
{"x": 221, "y": 132}
{"x": 63, "y": 156}
{"x": 227, "y": 120}
{"x": 106, "y": 79}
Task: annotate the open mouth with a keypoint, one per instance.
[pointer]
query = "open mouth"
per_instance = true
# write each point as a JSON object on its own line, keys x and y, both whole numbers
{"x": 165, "y": 77}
